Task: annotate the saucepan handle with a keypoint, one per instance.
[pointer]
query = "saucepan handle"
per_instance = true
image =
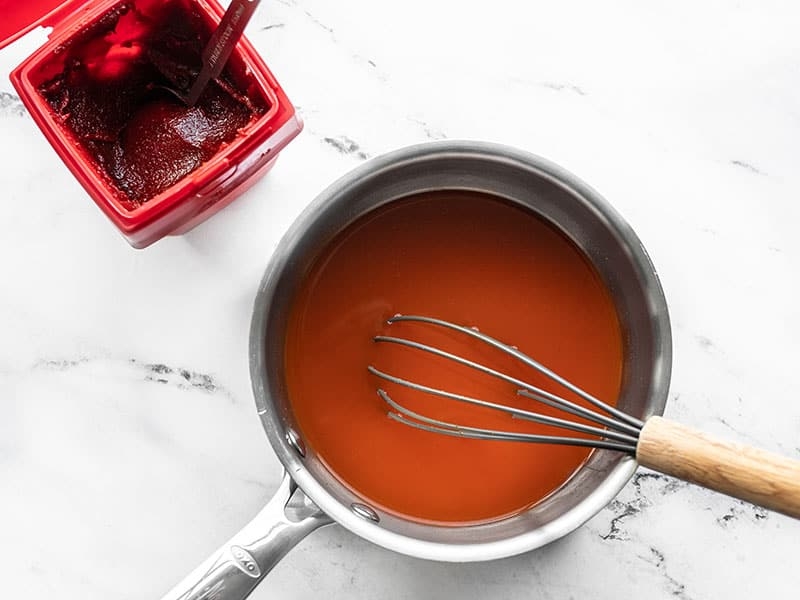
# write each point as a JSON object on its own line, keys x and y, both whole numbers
{"x": 235, "y": 569}
{"x": 751, "y": 474}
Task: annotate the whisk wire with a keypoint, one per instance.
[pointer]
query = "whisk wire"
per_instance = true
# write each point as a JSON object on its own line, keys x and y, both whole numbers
{"x": 620, "y": 433}
{"x": 477, "y": 433}
{"x": 578, "y": 411}
{"x": 514, "y": 412}
{"x": 608, "y": 409}
{"x": 534, "y": 392}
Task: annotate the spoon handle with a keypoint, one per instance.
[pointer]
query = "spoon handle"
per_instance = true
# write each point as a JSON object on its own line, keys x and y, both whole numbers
{"x": 221, "y": 44}
{"x": 748, "y": 473}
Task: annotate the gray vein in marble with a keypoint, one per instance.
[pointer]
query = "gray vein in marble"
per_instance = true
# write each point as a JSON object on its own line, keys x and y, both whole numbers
{"x": 179, "y": 377}
{"x": 273, "y": 26}
{"x": 329, "y": 30}
{"x": 747, "y": 167}
{"x": 623, "y": 510}
{"x": 705, "y": 343}
{"x": 658, "y": 560}
{"x": 648, "y": 486}
{"x": 345, "y": 145}
{"x": 562, "y": 87}
{"x": 728, "y": 425}
{"x": 744, "y": 435}
{"x": 742, "y": 509}
{"x": 430, "y": 132}
{"x": 256, "y": 483}
{"x": 11, "y": 105}
{"x": 312, "y": 18}
{"x": 61, "y": 364}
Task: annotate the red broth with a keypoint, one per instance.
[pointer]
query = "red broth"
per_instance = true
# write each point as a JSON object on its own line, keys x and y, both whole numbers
{"x": 474, "y": 260}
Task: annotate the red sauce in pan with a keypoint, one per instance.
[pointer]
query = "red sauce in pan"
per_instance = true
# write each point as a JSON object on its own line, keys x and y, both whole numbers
{"x": 474, "y": 260}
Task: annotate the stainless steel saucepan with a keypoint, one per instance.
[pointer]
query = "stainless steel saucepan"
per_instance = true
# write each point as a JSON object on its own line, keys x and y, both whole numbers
{"x": 310, "y": 496}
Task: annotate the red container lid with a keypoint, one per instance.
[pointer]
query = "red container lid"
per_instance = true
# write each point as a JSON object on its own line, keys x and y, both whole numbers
{"x": 19, "y": 17}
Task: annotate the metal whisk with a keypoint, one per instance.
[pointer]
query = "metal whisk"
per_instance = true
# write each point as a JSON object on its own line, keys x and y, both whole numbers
{"x": 748, "y": 473}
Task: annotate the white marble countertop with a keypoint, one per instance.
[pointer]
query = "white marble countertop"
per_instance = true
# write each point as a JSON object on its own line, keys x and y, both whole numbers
{"x": 129, "y": 443}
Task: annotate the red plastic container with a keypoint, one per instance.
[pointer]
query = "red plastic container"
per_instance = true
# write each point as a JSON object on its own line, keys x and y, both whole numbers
{"x": 213, "y": 185}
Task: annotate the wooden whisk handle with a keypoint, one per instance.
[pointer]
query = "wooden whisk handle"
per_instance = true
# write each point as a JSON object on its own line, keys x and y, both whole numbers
{"x": 760, "y": 477}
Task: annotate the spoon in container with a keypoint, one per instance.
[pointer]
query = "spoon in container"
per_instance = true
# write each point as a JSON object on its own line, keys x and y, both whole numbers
{"x": 216, "y": 53}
